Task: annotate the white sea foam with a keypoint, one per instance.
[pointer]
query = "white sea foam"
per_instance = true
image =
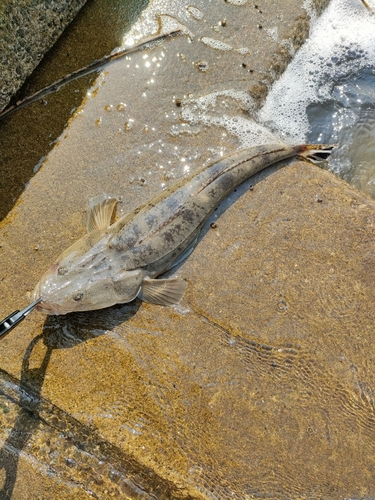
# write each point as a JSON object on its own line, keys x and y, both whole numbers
{"x": 148, "y": 22}
{"x": 237, "y": 2}
{"x": 203, "y": 111}
{"x": 215, "y": 44}
{"x": 341, "y": 43}
{"x": 195, "y": 13}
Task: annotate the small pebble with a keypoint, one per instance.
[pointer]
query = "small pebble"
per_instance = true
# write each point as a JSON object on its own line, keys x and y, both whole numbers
{"x": 201, "y": 65}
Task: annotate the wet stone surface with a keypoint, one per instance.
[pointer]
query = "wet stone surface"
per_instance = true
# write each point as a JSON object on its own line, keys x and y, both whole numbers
{"x": 260, "y": 383}
{"x": 28, "y": 30}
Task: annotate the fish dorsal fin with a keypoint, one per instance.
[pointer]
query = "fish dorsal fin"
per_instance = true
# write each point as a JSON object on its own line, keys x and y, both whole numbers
{"x": 100, "y": 211}
{"x": 164, "y": 292}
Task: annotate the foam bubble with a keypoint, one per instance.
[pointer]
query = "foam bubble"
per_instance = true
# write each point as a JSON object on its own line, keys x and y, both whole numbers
{"x": 169, "y": 23}
{"x": 215, "y": 44}
{"x": 237, "y": 2}
{"x": 195, "y": 13}
{"x": 243, "y": 50}
{"x": 169, "y": 14}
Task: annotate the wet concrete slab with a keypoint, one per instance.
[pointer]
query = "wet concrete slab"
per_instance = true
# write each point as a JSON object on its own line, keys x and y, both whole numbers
{"x": 259, "y": 384}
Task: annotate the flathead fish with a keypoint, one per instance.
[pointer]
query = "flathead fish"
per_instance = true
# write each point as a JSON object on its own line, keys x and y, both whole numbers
{"x": 115, "y": 263}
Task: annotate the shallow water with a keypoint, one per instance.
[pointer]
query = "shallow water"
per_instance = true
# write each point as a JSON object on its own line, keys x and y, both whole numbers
{"x": 348, "y": 119}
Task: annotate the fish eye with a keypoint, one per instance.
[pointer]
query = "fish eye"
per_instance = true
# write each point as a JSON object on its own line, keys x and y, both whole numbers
{"x": 78, "y": 296}
{"x": 62, "y": 270}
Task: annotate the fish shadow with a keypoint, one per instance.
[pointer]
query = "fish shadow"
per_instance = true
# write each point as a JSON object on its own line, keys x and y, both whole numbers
{"x": 66, "y": 331}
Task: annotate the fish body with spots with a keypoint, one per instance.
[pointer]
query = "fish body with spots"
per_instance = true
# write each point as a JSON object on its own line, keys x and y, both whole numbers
{"x": 115, "y": 263}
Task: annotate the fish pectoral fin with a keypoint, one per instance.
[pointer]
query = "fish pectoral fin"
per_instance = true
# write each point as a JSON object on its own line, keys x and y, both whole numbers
{"x": 100, "y": 211}
{"x": 164, "y": 292}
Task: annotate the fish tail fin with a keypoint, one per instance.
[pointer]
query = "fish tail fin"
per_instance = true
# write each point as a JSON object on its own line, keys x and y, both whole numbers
{"x": 316, "y": 153}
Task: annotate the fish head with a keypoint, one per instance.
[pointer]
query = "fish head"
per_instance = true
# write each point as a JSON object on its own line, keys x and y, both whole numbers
{"x": 85, "y": 279}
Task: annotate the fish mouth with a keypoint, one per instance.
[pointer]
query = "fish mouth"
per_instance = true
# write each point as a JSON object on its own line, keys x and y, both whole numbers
{"x": 44, "y": 306}
{"x": 47, "y": 308}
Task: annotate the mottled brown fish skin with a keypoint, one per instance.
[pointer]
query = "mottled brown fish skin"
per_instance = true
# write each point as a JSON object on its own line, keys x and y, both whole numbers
{"x": 117, "y": 263}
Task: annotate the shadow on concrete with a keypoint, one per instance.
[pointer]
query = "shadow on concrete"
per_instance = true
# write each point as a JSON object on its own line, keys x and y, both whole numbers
{"x": 27, "y": 420}
{"x": 59, "y": 332}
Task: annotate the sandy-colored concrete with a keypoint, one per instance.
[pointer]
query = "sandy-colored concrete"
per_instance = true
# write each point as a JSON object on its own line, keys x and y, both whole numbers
{"x": 27, "y": 31}
{"x": 260, "y": 384}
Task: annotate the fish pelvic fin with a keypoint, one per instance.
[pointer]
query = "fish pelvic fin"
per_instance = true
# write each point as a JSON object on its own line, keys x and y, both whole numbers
{"x": 165, "y": 292}
{"x": 316, "y": 153}
{"x": 100, "y": 211}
